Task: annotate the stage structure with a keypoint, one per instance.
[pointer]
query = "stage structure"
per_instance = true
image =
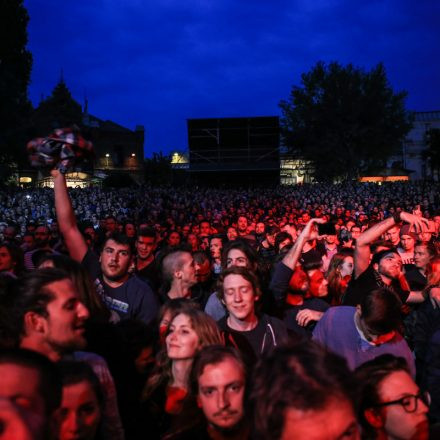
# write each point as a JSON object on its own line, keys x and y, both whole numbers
{"x": 234, "y": 151}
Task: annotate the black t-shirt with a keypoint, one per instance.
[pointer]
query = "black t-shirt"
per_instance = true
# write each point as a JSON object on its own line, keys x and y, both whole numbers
{"x": 415, "y": 279}
{"x": 317, "y": 304}
{"x": 268, "y": 333}
{"x": 150, "y": 274}
{"x": 365, "y": 283}
{"x": 133, "y": 299}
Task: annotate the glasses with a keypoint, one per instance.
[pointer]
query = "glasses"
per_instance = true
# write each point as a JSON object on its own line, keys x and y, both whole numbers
{"x": 410, "y": 402}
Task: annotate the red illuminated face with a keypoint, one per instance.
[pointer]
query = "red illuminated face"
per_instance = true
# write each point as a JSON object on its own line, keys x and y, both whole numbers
{"x": 242, "y": 224}
{"x": 421, "y": 257}
{"x": 407, "y": 242}
{"x": 115, "y": 260}
{"x": 215, "y": 247}
{"x": 335, "y": 421}
{"x": 21, "y": 386}
{"x": 347, "y": 266}
{"x": 239, "y": 297}
{"x": 390, "y": 266}
{"x": 398, "y": 423}
{"x": 6, "y": 263}
{"x": 318, "y": 283}
{"x": 299, "y": 281}
{"x": 221, "y": 393}
{"x": 182, "y": 341}
{"x": 80, "y": 412}
{"x": 145, "y": 246}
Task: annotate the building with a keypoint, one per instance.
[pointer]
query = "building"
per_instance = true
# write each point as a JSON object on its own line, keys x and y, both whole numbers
{"x": 118, "y": 150}
{"x": 415, "y": 144}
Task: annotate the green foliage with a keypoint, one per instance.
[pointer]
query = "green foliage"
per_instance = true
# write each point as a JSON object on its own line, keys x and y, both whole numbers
{"x": 344, "y": 119}
{"x": 58, "y": 111}
{"x": 15, "y": 70}
{"x": 158, "y": 169}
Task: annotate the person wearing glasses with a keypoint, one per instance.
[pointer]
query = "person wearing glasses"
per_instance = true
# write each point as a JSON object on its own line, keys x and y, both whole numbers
{"x": 391, "y": 405}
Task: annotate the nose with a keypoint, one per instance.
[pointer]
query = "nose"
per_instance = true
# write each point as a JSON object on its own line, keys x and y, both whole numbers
{"x": 222, "y": 400}
{"x": 422, "y": 407}
{"x": 82, "y": 311}
{"x": 237, "y": 296}
{"x": 71, "y": 423}
{"x": 172, "y": 336}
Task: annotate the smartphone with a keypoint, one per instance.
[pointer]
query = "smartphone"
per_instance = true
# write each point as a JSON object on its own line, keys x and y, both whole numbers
{"x": 326, "y": 229}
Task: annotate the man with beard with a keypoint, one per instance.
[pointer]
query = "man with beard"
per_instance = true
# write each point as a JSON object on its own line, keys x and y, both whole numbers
{"x": 127, "y": 295}
{"x": 47, "y": 316}
{"x": 385, "y": 270}
{"x": 218, "y": 383}
{"x": 42, "y": 239}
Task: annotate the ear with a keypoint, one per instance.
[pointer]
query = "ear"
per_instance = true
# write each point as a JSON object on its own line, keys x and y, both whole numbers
{"x": 34, "y": 323}
{"x": 373, "y": 417}
{"x": 257, "y": 298}
{"x": 376, "y": 266}
{"x": 178, "y": 274}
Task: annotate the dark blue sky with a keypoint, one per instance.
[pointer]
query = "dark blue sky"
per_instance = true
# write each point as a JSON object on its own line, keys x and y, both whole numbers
{"x": 157, "y": 63}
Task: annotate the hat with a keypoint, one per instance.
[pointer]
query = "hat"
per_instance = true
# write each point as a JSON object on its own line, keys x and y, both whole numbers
{"x": 406, "y": 230}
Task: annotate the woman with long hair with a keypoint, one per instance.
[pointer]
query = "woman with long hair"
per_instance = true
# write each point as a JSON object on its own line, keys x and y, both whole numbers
{"x": 167, "y": 387}
{"x": 339, "y": 275}
{"x": 82, "y": 403}
{"x": 433, "y": 275}
{"x": 11, "y": 259}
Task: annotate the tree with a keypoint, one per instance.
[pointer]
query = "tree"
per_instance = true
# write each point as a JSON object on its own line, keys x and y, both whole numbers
{"x": 158, "y": 169}
{"x": 15, "y": 70}
{"x": 344, "y": 120}
{"x": 58, "y": 111}
{"x": 432, "y": 153}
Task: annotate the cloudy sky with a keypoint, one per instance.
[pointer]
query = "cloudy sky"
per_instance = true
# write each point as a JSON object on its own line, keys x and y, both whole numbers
{"x": 158, "y": 63}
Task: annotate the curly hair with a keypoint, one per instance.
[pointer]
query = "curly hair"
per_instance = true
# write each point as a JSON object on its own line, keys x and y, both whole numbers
{"x": 208, "y": 334}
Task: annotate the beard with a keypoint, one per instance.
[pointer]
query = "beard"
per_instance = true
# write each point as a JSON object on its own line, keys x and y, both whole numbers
{"x": 68, "y": 346}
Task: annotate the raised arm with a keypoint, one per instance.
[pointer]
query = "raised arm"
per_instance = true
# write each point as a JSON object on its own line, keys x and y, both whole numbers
{"x": 308, "y": 233}
{"x": 362, "y": 248}
{"x": 75, "y": 241}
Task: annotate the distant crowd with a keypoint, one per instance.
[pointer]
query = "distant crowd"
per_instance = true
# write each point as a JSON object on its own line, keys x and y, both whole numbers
{"x": 305, "y": 312}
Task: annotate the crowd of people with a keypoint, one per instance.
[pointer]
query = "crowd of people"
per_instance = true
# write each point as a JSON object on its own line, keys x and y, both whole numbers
{"x": 310, "y": 312}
